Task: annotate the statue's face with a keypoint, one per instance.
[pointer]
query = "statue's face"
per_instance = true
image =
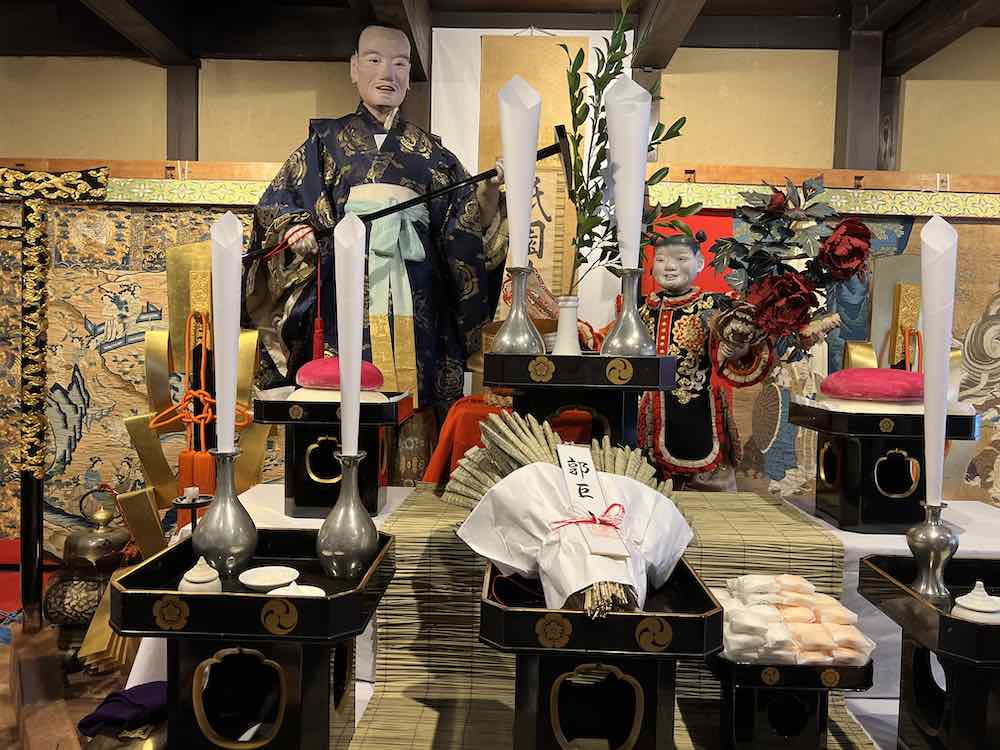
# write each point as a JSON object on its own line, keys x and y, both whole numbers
{"x": 675, "y": 267}
{"x": 381, "y": 68}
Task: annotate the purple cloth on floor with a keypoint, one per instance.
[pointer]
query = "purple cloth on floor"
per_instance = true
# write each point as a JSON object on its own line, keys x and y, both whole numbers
{"x": 127, "y": 709}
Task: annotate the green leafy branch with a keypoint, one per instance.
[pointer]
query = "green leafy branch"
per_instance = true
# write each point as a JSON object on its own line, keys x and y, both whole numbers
{"x": 595, "y": 242}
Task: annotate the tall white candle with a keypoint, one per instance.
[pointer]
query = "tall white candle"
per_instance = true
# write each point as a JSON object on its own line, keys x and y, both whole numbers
{"x": 629, "y": 108}
{"x": 938, "y": 252}
{"x": 227, "y": 283}
{"x": 349, "y": 240}
{"x": 520, "y": 110}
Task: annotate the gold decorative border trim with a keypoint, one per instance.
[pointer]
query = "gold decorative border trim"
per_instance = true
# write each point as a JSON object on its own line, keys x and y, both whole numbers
{"x": 715, "y": 196}
{"x": 868, "y": 202}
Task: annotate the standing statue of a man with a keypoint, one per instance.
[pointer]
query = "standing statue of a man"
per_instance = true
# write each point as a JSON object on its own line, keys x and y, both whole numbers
{"x": 428, "y": 288}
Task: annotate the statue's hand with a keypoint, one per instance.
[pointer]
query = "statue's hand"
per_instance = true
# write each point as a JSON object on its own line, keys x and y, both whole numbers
{"x": 302, "y": 240}
{"x": 737, "y": 331}
{"x": 488, "y": 195}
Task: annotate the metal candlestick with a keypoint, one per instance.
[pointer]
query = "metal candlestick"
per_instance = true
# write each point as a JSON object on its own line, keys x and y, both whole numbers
{"x": 629, "y": 336}
{"x": 348, "y": 540}
{"x": 518, "y": 334}
{"x": 933, "y": 544}
{"x": 226, "y": 536}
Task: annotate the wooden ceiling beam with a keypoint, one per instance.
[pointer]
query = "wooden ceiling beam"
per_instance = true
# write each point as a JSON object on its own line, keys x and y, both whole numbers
{"x": 766, "y": 32}
{"x": 413, "y": 17}
{"x": 932, "y": 27}
{"x": 662, "y": 26}
{"x": 880, "y": 15}
{"x": 129, "y": 21}
{"x": 58, "y": 30}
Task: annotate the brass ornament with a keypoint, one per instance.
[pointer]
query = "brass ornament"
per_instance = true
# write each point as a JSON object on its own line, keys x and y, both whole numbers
{"x": 541, "y": 369}
{"x": 619, "y": 371}
{"x": 171, "y": 612}
{"x": 553, "y": 630}
{"x": 830, "y": 678}
{"x": 770, "y": 676}
{"x": 279, "y": 617}
{"x": 653, "y": 634}
{"x": 886, "y": 425}
{"x": 296, "y": 412}
{"x": 313, "y": 447}
{"x": 914, "y": 474}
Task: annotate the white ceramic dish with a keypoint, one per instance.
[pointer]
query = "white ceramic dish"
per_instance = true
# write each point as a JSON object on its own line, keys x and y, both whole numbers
{"x": 268, "y": 577}
{"x": 293, "y": 589}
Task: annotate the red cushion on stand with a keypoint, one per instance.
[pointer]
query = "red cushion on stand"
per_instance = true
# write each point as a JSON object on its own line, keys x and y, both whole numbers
{"x": 874, "y": 384}
{"x": 324, "y": 374}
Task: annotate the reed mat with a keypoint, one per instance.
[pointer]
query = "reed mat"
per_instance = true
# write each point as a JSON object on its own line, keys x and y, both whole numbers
{"x": 437, "y": 687}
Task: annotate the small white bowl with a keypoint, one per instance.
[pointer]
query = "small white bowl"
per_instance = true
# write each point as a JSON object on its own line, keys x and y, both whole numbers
{"x": 294, "y": 589}
{"x": 268, "y": 577}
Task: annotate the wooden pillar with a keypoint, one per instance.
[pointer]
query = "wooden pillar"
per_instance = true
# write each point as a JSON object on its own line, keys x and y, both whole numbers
{"x": 890, "y": 118}
{"x": 416, "y": 106}
{"x": 859, "y": 92}
{"x": 182, "y": 112}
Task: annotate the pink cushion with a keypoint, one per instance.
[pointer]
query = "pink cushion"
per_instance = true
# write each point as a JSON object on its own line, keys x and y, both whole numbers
{"x": 874, "y": 384}
{"x": 324, "y": 374}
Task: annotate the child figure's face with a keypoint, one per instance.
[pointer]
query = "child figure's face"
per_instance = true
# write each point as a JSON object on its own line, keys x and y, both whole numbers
{"x": 675, "y": 267}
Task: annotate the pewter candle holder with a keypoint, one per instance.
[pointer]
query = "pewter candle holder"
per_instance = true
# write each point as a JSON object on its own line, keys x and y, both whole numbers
{"x": 933, "y": 544}
{"x": 629, "y": 336}
{"x": 518, "y": 334}
{"x": 226, "y": 536}
{"x": 347, "y": 541}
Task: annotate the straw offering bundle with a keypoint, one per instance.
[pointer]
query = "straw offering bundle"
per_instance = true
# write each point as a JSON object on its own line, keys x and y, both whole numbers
{"x": 512, "y": 441}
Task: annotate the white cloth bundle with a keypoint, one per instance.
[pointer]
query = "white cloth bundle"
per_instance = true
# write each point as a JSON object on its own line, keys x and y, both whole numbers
{"x": 792, "y": 614}
{"x": 772, "y": 599}
{"x": 812, "y": 636}
{"x": 744, "y": 621}
{"x": 752, "y": 584}
{"x": 513, "y": 525}
{"x": 778, "y": 637}
{"x": 849, "y": 657}
{"x": 848, "y": 636}
{"x": 767, "y": 611}
{"x": 788, "y": 582}
{"x": 836, "y": 614}
{"x": 780, "y": 656}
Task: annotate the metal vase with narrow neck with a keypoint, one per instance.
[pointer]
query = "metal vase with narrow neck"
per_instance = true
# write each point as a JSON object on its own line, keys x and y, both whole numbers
{"x": 933, "y": 544}
{"x": 629, "y": 336}
{"x": 226, "y": 537}
{"x": 348, "y": 540}
{"x": 518, "y": 334}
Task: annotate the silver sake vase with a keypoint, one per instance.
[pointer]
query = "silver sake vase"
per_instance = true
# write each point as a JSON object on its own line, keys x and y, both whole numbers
{"x": 347, "y": 541}
{"x": 933, "y": 544}
{"x": 517, "y": 334}
{"x": 629, "y": 336}
{"x": 226, "y": 537}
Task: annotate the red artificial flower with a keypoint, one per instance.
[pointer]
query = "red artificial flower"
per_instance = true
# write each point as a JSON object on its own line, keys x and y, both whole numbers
{"x": 778, "y": 202}
{"x": 784, "y": 303}
{"x": 844, "y": 253}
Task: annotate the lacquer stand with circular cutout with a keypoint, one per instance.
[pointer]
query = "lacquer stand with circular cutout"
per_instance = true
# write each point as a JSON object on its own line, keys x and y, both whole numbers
{"x": 870, "y": 461}
{"x": 609, "y": 679}
{"x": 958, "y": 712}
{"x": 781, "y": 706}
{"x": 246, "y": 669}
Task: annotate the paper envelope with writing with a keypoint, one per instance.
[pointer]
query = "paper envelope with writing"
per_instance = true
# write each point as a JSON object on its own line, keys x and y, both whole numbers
{"x": 519, "y": 525}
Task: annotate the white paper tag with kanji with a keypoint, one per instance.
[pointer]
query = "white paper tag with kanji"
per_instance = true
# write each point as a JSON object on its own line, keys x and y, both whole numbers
{"x": 586, "y": 493}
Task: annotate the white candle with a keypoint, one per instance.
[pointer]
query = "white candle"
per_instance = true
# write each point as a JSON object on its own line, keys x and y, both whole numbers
{"x": 227, "y": 284}
{"x": 629, "y": 108}
{"x": 349, "y": 239}
{"x": 938, "y": 252}
{"x": 520, "y": 110}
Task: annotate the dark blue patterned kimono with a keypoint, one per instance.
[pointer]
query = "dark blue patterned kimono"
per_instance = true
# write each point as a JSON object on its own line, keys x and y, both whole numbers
{"x": 448, "y": 285}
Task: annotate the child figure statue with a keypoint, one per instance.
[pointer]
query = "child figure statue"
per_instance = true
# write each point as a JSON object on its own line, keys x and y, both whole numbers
{"x": 689, "y": 430}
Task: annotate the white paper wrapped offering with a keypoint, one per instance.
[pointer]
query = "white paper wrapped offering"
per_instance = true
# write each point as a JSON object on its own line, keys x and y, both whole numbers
{"x": 526, "y": 525}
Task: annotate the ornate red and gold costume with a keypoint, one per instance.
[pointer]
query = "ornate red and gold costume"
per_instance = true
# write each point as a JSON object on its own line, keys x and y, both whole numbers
{"x": 690, "y": 430}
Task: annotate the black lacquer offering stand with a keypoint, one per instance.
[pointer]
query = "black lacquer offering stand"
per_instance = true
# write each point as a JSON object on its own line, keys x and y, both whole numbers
{"x": 312, "y": 437}
{"x": 607, "y": 387}
{"x": 610, "y": 678}
{"x": 767, "y": 707}
{"x": 964, "y": 714}
{"x": 238, "y": 657}
{"x": 870, "y": 466}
